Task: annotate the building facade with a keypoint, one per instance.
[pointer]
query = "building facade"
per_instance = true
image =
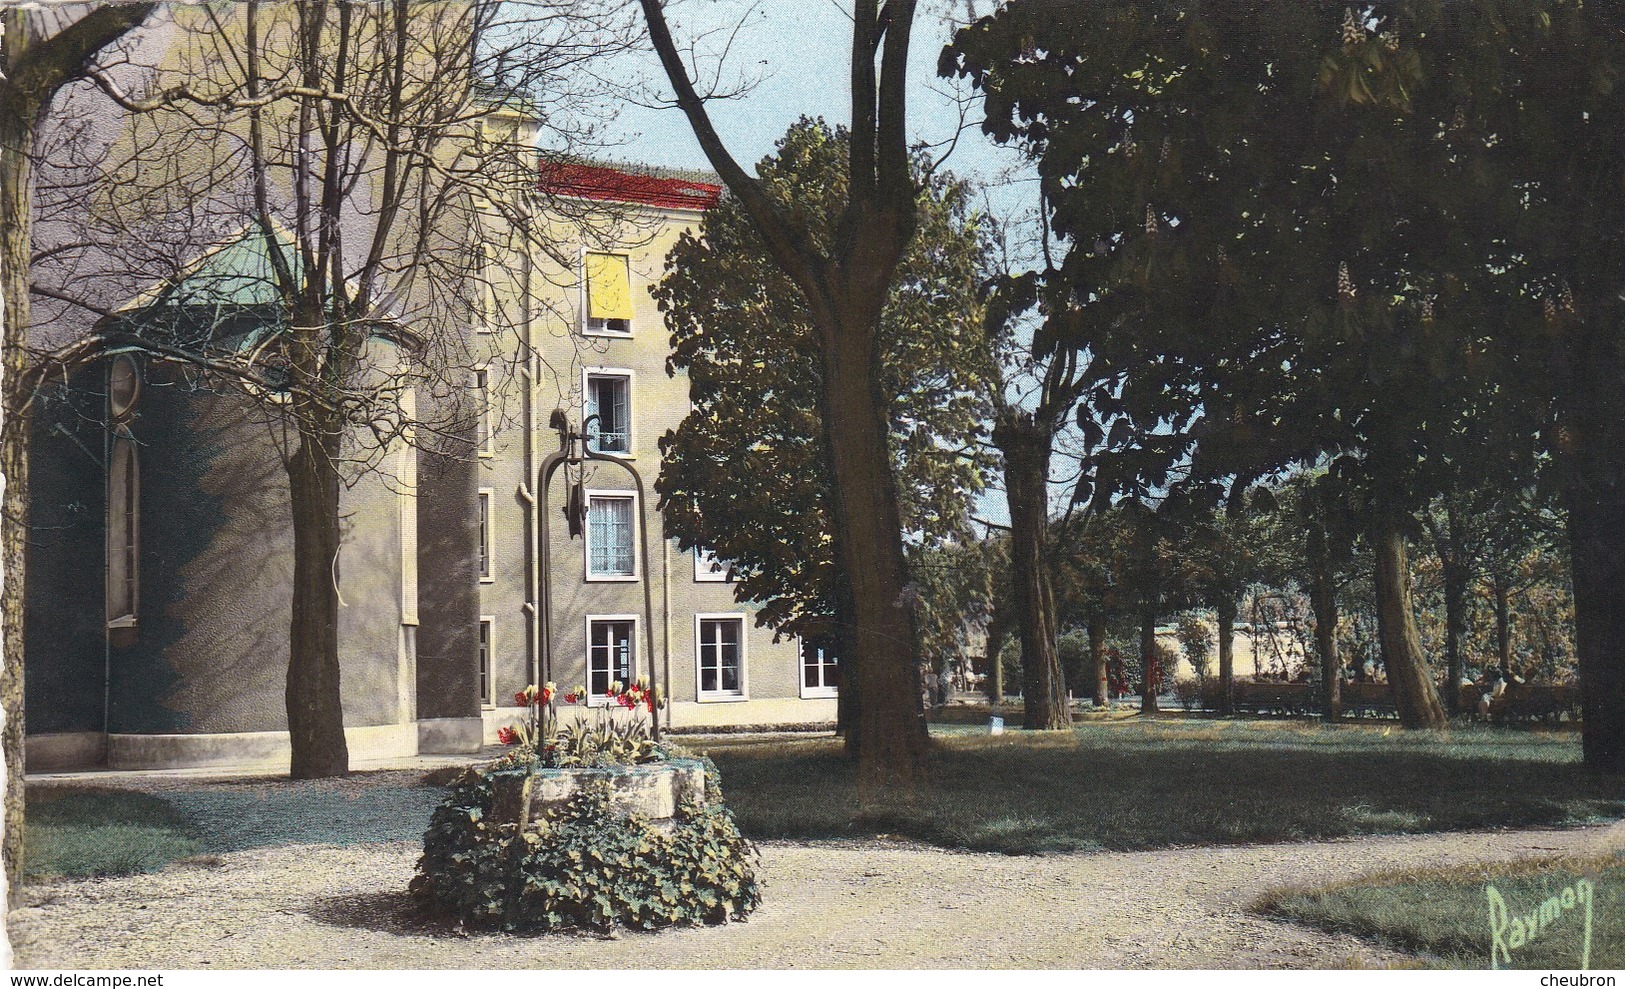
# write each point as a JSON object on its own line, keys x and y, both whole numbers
{"x": 625, "y": 601}
{"x": 160, "y": 560}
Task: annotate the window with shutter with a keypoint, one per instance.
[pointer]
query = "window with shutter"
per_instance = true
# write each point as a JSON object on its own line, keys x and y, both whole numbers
{"x": 609, "y": 294}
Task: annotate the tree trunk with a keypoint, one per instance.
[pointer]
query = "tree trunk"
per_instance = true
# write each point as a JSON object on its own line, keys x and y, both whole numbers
{"x": 1226, "y": 609}
{"x": 1097, "y": 662}
{"x": 1026, "y": 448}
{"x": 1594, "y": 467}
{"x": 846, "y": 719}
{"x": 847, "y": 699}
{"x": 1503, "y": 625}
{"x": 315, "y": 713}
{"x": 1323, "y": 598}
{"x": 1455, "y": 598}
{"x": 1149, "y": 674}
{"x": 30, "y": 76}
{"x": 1415, "y": 694}
{"x": 16, "y": 147}
{"x": 891, "y": 730}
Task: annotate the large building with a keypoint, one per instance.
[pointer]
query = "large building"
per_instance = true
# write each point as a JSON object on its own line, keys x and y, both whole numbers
{"x": 160, "y": 561}
{"x": 621, "y": 607}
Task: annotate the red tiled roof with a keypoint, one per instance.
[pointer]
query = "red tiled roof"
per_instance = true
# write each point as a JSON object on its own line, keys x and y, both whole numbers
{"x": 614, "y": 185}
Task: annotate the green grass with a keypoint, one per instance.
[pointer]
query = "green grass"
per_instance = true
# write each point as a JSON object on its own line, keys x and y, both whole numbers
{"x": 1155, "y": 784}
{"x": 100, "y": 832}
{"x": 1444, "y": 914}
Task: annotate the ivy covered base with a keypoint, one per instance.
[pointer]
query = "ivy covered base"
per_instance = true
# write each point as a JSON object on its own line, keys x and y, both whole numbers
{"x": 499, "y": 854}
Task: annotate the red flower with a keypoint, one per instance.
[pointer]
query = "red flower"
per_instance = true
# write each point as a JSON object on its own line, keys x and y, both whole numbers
{"x": 521, "y": 699}
{"x": 569, "y": 698}
{"x": 547, "y": 696}
{"x": 507, "y": 736}
{"x": 649, "y": 698}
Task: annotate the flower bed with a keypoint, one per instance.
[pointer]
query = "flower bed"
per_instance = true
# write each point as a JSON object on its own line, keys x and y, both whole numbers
{"x": 592, "y": 826}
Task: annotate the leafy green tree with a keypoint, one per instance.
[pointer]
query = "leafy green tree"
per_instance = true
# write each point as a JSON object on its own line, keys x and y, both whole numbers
{"x": 956, "y": 583}
{"x": 1245, "y": 274}
{"x": 744, "y": 474}
{"x": 1314, "y": 528}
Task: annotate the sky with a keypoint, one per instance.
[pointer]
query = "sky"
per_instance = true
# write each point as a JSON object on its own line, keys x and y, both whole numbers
{"x": 794, "y": 54}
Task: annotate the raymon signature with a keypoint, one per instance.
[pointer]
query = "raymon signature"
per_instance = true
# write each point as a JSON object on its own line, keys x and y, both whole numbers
{"x": 1508, "y": 932}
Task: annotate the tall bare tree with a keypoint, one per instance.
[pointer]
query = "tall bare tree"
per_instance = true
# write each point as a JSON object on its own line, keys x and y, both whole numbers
{"x": 375, "y": 160}
{"x": 846, "y": 288}
{"x": 43, "y": 50}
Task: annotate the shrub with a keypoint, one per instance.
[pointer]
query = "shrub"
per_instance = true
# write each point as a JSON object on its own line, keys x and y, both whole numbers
{"x": 1189, "y": 693}
{"x": 1197, "y": 641}
{"x": 583, "y": 866}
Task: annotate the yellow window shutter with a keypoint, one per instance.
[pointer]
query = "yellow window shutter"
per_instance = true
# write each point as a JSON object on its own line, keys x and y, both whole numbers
{"x": 609, "y": 290}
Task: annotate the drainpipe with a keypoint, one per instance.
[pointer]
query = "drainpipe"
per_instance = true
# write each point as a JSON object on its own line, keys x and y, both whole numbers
{"x": 532, "y": 539}
{"x": 107, "y": 573}
{"x": 665, "y": 625}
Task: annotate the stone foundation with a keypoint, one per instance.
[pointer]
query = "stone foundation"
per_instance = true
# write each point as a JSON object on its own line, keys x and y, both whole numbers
{"x": 653, "y": 790}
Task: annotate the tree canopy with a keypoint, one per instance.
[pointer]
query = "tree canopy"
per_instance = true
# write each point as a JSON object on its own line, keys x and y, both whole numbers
{"x": 744, "y": 474}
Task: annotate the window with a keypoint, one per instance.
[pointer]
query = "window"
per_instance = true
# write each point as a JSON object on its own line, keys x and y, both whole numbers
{"x": 609, "y": 654}
{"x": 482, "y": 412}
{"x": 487, "y": 531}
{"x": 820, "y": 670}
{"x": 609, "y": 295}
{"x": 720, "y": 655}
{"x": 123, "y": 533}
{"x": 611, "y": 552}
{"x": 708, "y": 568}
{"x": 487, "y": 695}
{"x": 483, "y": 290}
{"x": 609, "y": 397}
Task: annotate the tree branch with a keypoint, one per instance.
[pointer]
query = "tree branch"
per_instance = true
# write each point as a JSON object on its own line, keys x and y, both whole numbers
{"x": 789, "y": 246}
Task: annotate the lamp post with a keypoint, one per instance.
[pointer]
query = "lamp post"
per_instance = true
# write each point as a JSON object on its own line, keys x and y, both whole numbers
{"x": 570, "y": 453}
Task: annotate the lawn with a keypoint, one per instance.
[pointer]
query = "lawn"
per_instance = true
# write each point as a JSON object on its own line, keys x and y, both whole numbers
{"x": 1444, "y": 915}
{"x": 101, "y": 832}
{"x": 1154, "y": 784}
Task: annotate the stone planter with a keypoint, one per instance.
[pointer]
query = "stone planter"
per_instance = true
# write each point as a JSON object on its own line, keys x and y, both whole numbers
{"x": 652, "y": 790}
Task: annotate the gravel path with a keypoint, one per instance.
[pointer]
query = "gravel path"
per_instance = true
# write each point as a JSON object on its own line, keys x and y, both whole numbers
{"x": 831, "y": 905}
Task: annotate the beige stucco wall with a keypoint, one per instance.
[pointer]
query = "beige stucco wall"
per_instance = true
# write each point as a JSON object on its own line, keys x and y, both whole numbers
{"x": 658, "y": 403}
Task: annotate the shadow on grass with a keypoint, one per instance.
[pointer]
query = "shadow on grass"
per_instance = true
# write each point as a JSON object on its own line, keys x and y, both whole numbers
{"x": 1139, "y": 785}
{"x": 85, "y": 832}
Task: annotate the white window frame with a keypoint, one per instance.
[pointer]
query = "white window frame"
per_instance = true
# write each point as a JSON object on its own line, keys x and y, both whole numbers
{"x": 810, "y": 693}
{"x": 488, "y": 531}
{"x": 600, "y": 700}
{"x": 628, "y": 376}
{"x": 704, "y": 561}
{"x": 637, "y": 547}
{"x": 488, "y": 624}
{"x": 588, "y": 329}
{"x": 722, "y": 696}
{"x": 484, "y": 436}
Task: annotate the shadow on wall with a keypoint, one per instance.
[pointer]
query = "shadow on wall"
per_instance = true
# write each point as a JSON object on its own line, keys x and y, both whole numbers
{"x": 235, "y": 598}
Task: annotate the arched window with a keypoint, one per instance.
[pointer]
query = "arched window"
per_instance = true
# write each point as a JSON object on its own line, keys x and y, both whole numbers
{"x": 123, "y": 532}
